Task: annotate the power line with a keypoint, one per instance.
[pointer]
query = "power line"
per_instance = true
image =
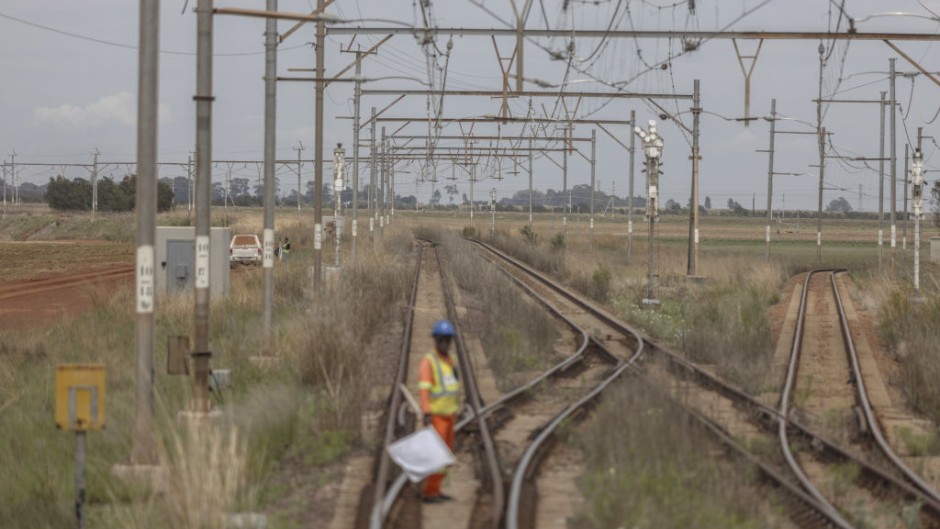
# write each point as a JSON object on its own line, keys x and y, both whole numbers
{"x": 132, "y": 46}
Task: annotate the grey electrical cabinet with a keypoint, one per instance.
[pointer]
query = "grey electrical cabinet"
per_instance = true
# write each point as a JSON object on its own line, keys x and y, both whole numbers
{"x": 175, "y": 255}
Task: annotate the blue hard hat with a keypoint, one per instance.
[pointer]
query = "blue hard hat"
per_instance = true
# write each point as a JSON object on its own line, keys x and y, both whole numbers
{"x": 443, "y": 328}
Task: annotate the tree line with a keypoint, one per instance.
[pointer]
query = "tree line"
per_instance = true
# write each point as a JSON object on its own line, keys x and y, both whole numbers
{"x": 76, "y": 195}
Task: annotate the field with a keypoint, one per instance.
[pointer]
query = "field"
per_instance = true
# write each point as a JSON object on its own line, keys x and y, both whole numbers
{"x": 290, "y": 430}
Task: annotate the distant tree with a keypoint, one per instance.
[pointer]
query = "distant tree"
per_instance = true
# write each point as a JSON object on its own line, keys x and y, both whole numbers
{"x": 436, "y": 197}
{"x": 839, "y": 205}
{"x": 708, "y": 202}
{"x": 451, "y": 191}
{"x": 68, "y": 195}
{"x": 735, "y": 208}
{"x": 934, "y": 203}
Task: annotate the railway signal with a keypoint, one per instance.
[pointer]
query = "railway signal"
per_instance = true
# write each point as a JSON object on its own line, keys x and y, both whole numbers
{"x": 917, "y": 202}
{"x": 652, "y": 149}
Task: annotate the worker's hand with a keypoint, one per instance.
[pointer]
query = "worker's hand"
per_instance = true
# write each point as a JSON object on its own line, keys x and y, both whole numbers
{"x": 427, "y": 419}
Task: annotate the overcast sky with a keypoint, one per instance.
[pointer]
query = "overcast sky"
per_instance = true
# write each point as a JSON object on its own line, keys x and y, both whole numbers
{"x": 63, "y": 96}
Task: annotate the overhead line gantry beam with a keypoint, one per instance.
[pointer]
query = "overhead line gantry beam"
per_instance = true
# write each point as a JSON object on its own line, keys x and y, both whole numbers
{"x": 526, "y": 93}
{"x": 648, "y": 34}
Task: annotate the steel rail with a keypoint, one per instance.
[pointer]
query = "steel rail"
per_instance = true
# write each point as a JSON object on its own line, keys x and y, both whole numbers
{"x": 767, "y": 415}
{"x": 782, "y": 433}
{"x": 524, "y": 468}
{"x": 862, "y": 395}
{"x": 474, "y": 399}
{"x": 928, "y": 505}
{"x": 394, "y": 491}
{"x": 395, "y": 400}
{"x": 819, "y": 515}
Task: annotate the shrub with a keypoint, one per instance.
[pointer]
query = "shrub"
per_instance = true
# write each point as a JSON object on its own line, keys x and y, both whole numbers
{"x": 528, "y": 234}
{"x": 558, "y": 242}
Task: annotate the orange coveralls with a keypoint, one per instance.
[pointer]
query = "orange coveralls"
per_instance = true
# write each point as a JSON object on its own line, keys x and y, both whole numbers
{"x": 442, "y": 423}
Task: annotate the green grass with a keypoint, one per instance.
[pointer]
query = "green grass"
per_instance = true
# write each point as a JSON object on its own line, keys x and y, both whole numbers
{"x": 650, "y": 468}
{"x": 270, "y": 415}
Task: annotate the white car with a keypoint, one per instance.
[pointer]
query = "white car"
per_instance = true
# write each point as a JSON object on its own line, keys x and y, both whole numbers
{"x": 245, "y": 249}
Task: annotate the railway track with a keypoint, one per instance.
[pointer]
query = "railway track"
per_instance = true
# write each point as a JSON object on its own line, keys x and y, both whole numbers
{"x": 388, "y": 506}
{"x": 533, "y": 410}
{"x": 806, "y": 508}
{"x": 813, "y": 462}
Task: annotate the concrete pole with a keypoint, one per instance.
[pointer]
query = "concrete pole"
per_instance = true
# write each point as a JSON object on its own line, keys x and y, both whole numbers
{"x": 770, "y": 177}
{"x": 881, "y": 187}
{"x": 819, "y": 206}
{"x": 652, "y": 177}
{"x": 357, "y": 96}
{"x": 300, "y": 193}
{"x": 94, "y": 186}
{"x": 593, "y": 164}
{"x": 530, "y": 184}
{"x": 5, "y": 189}
{"x": 894, "y": 165}
{"x": 318, "y": 149}
{"x": 270, "y": 157}
{"x": 384, "y": 178}
{"x": 693, "y": 211}
{"x": 907, "y": 179}
{"x": 821, "y": 132}
{"x": 372, "y": 173}
{"x": 189, "y": 185}
{"x": 918, "y": 204}
{"x": 473, "y": 179}
{"x": 143, "y": 450}
{"x": 201, "y": 352}
{"x": 564, "y": 192}
{"x": 493, "y": 212}
{"x": 631, "y": 172}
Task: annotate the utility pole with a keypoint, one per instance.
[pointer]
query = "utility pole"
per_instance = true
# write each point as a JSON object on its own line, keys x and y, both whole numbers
{"x": 270, "y": 157}
{"x": 770, "y": 177}
{"x": 94, "y": 185}
{"x": 189, "y": 185}
{"x": 652, "y": 148}
{"x": 144, "y": 448}
{"x": 201, "y": 352}
{"x": 894, "y": 165}
{"x": 918, "y": 205}
{"x": 493, "y": 212}
{"x": 339, "y": 166}
{"x": 564, "y": 194}
{"x": 530, "y": 183}
{"x": 372, "y": 172}
{"x": 5, "y": 190}
{"x": 382, "y": 195}
{"x": 299, "y": 149}
{"x": 15, "y": 195}
{"x": 907, "y": 178}
{"x": 881, "y": 188}
{"x": 593, "y": 164}
{"x": 819, "y": 207}
{"x": 473, "y": 179}
{"x": 693, "y": 210}
{"x": 630, "y": 204}
{"x": 821, "y": 132}
{"x": 318, "y": 150}
{"x": 357, "y": 97}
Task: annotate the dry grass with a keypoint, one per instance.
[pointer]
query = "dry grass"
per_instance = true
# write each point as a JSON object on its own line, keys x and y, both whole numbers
{"x": 909, "y": 329}
{"x": 517, "y": 335}
{"x": 647, "y": 467}
{"x": 269, "y": 414}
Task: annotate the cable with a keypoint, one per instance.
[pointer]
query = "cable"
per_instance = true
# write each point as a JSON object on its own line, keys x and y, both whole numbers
{"x": 131, "y": 46}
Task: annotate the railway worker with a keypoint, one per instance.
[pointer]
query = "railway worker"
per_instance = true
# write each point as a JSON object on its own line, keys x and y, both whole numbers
{"x": 285, "y": 249}
{"x": 439, "y": 389}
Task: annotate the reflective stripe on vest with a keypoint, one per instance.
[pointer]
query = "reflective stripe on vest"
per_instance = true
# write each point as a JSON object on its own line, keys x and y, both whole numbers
{"x": 445, "y": 390}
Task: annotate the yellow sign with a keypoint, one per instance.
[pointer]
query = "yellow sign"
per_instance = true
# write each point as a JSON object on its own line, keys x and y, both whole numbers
{"x": 79, "y": 397}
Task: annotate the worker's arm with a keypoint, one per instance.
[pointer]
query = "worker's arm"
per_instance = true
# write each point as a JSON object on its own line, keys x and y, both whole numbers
{"x": 425, "y": 383}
